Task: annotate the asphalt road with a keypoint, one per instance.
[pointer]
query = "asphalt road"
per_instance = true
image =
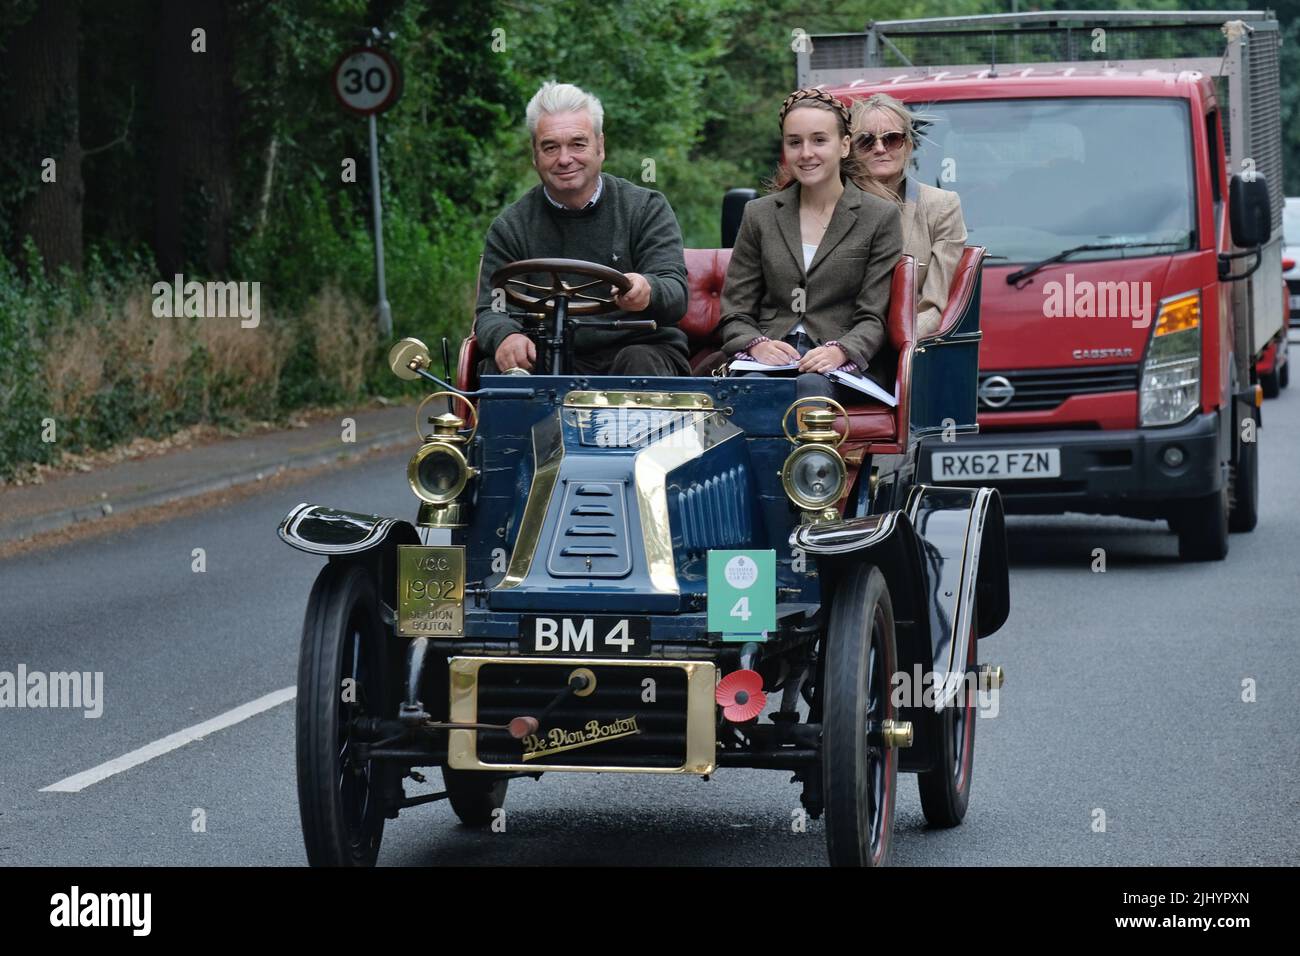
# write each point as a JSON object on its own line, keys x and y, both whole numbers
{"x": 1123, "y": 695}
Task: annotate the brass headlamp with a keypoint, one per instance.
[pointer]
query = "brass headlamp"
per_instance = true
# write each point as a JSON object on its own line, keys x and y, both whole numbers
{"x": 439, "y": 472}
{"x": 814, "y": 476}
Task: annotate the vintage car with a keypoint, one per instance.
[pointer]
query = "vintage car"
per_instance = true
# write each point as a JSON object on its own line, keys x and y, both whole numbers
{"x": 656, "y": 575}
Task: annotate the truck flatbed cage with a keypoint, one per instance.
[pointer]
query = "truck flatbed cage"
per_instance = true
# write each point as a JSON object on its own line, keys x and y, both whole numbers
{"x": 1056, "y": 17}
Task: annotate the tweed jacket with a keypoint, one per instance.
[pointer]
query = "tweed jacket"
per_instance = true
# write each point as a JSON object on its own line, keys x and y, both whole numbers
{"x": 842, "y": 296}
{"x": 934, "y": 234}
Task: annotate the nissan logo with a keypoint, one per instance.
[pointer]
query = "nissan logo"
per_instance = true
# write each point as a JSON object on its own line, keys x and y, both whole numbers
{"x": 996, "y": 391}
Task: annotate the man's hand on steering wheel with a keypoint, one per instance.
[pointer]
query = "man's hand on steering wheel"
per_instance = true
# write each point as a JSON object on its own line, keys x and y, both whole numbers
{"x": 516, "y": 351}
{"x": 635, "y": 299}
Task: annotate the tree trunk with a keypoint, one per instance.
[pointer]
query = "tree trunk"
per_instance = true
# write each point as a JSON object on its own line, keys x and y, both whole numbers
{"x": 42, "y": 73}
{"x": 195, "y": 106}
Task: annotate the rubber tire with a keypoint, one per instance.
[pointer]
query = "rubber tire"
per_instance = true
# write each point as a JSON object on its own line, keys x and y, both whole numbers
{"x": 1284, "y": 375}
{"x": 861, "y": 600}
{"x": 474, "y": 794}
{"x": 1203, "y": 528}
{"x": 1271, "y": 383}
{"x": 342, "y": 600}
{"x": 945, "y": 790}
{"x": 1244, "y": 478}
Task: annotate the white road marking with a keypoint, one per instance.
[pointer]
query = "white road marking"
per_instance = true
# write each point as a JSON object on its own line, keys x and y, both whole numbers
{"x": 78, "y": 782}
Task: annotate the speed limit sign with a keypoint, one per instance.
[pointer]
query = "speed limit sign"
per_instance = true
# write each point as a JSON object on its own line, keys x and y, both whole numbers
{"x": 366, "y": 80}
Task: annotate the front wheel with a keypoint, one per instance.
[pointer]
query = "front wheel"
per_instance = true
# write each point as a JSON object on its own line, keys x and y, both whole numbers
{"x": 341, "y": 677}
{"x": 474, "y": 795}
{"x": 1203, "y": 527}
{"x": 859, "y": 769}
{"x": 945, "y": 790}
{"x": 1243, "y": 480}
{"x": 1271, "y": 383}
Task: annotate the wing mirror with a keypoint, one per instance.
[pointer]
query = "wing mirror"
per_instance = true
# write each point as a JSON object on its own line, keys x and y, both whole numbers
{"x": 1250, "y": 213}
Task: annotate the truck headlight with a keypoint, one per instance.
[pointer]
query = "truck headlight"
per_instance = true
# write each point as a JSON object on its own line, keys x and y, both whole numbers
{"x": 814, "y": 476}
{"x": 1171, "y": 377}
{"x": 438, "y": 473}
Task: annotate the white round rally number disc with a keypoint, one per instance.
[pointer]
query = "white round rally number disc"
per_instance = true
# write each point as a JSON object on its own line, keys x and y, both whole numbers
{"x": 740, "y": 572}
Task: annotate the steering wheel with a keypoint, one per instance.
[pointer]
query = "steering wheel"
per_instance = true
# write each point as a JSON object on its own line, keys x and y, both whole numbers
{"x": 580, "y": 302}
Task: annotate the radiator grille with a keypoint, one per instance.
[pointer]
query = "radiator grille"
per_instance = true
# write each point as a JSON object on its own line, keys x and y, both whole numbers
{"x": 1043, "y": 389}
{"x": 506, "y": 691}
{"x": 714, "y": 513}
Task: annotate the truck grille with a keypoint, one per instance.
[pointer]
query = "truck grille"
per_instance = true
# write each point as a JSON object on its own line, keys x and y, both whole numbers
{"x": 1046, "y": 388}
{"x": 628, "y": 730}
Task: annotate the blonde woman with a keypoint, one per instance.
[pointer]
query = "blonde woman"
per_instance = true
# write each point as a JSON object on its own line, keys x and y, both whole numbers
{"x": 810, "y": 274}
{"x": 934, "y": 233}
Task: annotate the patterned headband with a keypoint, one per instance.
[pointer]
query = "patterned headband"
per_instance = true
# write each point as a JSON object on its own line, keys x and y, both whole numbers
{"x": 821, "y": 96}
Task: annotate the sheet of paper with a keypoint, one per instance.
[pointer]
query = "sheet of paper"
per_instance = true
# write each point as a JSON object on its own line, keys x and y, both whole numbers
{"x": 858, "y": 382}
{"x": 749, "y": 365}
{"x": 864, "y": 385}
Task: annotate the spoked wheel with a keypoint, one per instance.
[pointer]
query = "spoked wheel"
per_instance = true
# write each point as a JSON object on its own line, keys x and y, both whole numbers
{"x": 474, "y": 794}
{"x": 341, "y": 677}
{"x": 859, "y": 770}
{"x": 945, "y": 790}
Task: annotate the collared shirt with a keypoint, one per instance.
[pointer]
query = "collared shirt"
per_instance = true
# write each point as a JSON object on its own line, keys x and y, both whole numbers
{"x": 600, "y": 185}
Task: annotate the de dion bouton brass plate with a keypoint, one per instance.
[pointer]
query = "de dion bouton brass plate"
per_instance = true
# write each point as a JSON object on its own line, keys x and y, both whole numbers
{"x": 584, "y": 734}
{"x": 430, "y": 591}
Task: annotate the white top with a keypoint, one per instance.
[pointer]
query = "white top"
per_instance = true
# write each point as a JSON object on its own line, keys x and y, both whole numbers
{"x": 809, "y": 250}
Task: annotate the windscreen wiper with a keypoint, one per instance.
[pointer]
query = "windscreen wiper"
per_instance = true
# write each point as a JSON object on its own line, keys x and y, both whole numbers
{"x": 1064, "y": 254}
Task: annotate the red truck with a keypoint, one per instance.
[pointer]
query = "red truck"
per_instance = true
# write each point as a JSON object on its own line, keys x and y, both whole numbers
{"x": 1132, "y": 207}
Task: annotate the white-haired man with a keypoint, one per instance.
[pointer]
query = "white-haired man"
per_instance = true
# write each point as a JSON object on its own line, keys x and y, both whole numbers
{"x": 578, "y": 212}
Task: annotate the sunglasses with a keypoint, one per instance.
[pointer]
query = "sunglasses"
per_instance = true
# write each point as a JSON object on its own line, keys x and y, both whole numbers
{"x": 891, "y": 141}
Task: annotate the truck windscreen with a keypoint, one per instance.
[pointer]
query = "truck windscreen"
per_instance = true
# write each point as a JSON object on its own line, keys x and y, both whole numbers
{"x": 1039, "y": 176}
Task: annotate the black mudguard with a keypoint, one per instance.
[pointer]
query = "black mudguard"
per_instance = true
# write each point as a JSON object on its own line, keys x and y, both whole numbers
{"x": 347, "y": 535}
{"x": 943, "y": 554}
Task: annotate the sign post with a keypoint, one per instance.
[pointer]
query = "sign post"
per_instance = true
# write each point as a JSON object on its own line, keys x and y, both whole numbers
{"x": 367, "y": 82}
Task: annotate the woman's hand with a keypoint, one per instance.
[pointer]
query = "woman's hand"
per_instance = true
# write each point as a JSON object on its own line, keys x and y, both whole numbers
{"x": 823, "y": 359}
{"x": 774, "y": 353}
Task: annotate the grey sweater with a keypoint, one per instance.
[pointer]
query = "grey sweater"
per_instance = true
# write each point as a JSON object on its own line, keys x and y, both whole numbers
{"x": 630, "y": 228}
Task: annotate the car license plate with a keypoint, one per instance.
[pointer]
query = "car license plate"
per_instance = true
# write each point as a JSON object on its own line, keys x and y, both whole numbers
{"x": 595, "y": 636}
{"x": 1295, "y": 301}
{"x": 995, "y": 465}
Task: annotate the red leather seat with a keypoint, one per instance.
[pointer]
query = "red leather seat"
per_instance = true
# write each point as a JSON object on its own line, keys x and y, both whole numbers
{"x": 961, "y": 289}
{"x": 706, "y": 272}
{"x": 874, "y": 424}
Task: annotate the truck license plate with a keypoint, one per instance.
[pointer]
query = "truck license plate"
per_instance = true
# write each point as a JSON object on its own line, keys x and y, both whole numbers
{"x": 595, "y": 636}
{"x": 961, "y": 466}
